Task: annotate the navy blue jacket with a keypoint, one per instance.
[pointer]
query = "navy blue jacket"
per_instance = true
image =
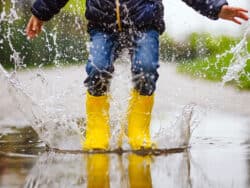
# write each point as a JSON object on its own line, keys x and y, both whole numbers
{"x": 138, "y": 14}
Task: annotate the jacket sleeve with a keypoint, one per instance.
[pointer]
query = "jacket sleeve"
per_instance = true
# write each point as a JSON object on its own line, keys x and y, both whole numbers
{"x": 46, "y": 9}
{"x": 209, "y": 8}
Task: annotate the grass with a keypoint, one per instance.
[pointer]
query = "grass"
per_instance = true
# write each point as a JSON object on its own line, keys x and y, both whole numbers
{"x": 213, "y": 69}
{"x": 213, "y": 66}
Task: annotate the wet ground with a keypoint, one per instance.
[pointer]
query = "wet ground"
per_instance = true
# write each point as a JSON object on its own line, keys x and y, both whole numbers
{"x": 218, "y": 156}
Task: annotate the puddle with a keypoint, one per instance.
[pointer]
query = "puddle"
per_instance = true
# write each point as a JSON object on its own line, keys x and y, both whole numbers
{"x": 219, "y": 156}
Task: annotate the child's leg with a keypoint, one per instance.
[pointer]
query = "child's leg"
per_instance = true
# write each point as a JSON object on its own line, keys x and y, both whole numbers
{"x": 145, "y": 62}
{"x": 99, "y": 69}
{"x": 144, "y": 69}
{"x": 100, "y": 63}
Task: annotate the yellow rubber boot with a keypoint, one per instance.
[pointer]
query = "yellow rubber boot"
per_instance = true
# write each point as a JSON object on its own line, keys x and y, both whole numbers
{"x": 139, "y": 117}
{"x": 97, "y": 126}
{"x": 98, "y": 171}
{"x": 139, "y": 171}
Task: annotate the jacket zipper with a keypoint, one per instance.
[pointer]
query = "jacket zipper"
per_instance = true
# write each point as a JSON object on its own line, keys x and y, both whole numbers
{"x": 118, "y": 16}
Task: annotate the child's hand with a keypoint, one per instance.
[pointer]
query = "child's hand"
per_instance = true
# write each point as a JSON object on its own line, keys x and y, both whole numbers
{"x": 233, "y": 13}
{"x": 34, "y": 27}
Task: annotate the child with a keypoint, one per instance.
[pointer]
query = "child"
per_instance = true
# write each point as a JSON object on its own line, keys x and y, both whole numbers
{"x": 117, "y": 24}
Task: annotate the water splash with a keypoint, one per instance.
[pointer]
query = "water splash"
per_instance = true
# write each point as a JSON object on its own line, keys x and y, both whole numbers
{"x": 176, "y": 132}
{"x": 48, "y": 121}
{"x": 9, "y": 17}
{"x": 239, "y": 60}
{"x": 51, "y": 129}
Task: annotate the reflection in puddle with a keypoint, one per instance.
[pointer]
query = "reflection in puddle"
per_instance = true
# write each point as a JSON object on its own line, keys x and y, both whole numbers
{"x": 26, "y": 163}
{"x": 110, "y": 170}
{"x": 139, "y": 171}
{"x": 97, "y": 170}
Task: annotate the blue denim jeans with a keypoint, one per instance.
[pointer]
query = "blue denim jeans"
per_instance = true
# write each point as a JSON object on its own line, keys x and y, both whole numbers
{"x": 105, "y": 48}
